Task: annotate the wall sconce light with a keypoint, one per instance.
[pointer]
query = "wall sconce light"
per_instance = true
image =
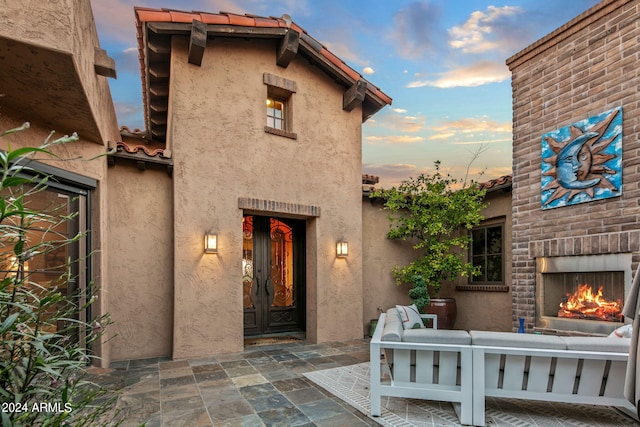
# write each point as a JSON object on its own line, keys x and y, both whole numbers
{"x": 210, "y": 243}
{"x": 342, "y": 249}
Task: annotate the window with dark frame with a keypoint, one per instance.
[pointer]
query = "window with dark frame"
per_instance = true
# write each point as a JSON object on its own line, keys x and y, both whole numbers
{"x": 487, "y": 253}
{"x": 67, "y": 195}
{"x": 276, "y": 117}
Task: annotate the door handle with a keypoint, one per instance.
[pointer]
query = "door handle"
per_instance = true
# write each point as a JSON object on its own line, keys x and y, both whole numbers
{"x": 266, "y": 286}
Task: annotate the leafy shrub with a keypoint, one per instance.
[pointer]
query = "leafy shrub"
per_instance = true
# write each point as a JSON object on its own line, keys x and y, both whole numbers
{"x": 436, "y": 212}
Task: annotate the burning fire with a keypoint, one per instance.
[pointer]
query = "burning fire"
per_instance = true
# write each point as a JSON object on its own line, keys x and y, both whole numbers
{"x": 584, "y": 304}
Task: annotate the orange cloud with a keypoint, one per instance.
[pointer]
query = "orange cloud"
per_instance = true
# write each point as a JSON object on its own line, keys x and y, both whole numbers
{"x": 480, "y": 73}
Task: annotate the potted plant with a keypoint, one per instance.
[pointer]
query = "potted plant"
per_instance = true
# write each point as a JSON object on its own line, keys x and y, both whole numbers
{"x": 435, "y": 212}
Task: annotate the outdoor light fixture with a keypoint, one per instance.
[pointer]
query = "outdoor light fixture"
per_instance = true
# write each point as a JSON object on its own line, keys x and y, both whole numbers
{"x": 342, "y": 249}
{"x": 210, "y": 243}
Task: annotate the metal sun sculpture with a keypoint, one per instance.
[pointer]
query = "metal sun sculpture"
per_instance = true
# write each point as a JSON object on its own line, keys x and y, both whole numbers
{"x": 583, "y": 162}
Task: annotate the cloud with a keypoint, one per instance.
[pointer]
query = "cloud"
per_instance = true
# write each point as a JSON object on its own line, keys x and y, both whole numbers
{"x": 481, "y": 32}
{"x": 467, "y": 131}
{"x": 394, "y": 139}
{"x": 469, "y": 124}
{"x": 397, "y": 121}
{"x": 417, "y": 31}
{"x": 480, "y": 73}
{"x": 345, "y": 53}
{"x": 115, "y": 21}
{"x": 482, "y": 141}
{"x": 129, "y": 114}
{"x": 293, "y": 8}
{"x": 390, "y": 174}
{"x": 445, "y": 135}
{"x": 127, "y": 60}
{"x": 367, "y": 70}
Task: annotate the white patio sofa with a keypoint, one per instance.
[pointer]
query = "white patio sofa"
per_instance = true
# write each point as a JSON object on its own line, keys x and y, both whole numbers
{"x": 464, "y": 368}
{"x": 586, "y": 370}
{"x": 426, "y": 364}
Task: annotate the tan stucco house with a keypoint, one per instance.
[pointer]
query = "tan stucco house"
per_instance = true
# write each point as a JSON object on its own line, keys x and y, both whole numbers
{"x": 222, "y": 220}
{"x": 277, "y": 184}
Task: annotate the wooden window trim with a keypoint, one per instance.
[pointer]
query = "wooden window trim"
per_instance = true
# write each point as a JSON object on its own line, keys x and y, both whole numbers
{"x": 279, "y": 132}
{"x": 282, "y": 90}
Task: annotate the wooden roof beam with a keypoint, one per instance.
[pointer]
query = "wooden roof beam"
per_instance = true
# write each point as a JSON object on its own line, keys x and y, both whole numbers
{"x": 288, "y": 48}
{"x": 161, "y": 90}
{"x": 197, "y": 42}
{"x": 103, "y": 64}
{"x": 354, "y": 96}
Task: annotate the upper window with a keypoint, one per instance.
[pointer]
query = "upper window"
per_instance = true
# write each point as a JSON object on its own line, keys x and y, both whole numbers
{"x": 276, "y": 114}
{"x": 279, "y": 105}
{"x": 487, "y": 253}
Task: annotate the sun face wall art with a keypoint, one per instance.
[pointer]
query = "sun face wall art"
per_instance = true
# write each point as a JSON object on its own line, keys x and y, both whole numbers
{"x": 582, "y": 162}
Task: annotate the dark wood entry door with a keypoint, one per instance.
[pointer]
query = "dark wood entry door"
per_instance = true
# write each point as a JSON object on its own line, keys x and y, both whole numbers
{"x": 273, "y": 279}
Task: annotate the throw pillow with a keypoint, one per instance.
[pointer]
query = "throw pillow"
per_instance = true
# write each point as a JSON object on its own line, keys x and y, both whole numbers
{"x": 410, "y": 317}
{"x": 622, "y": 332}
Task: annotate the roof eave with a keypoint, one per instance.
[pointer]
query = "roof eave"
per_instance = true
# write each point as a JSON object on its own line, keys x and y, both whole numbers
{"x": 162, "y": 23}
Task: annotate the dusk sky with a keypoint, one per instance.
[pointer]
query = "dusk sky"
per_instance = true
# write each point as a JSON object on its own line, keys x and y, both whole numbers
{"x": 442, "y": 62}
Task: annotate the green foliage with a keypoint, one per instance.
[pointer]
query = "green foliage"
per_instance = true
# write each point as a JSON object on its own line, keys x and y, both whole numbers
{"x": 42, "y": 359}
{"x": 436, "y": 212}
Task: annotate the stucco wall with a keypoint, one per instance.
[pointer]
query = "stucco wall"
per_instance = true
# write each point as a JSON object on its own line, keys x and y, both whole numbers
{"x": 380, "y": 256}
{"x": 588, "y": 66}
{"x": 140, "y": 261}
{"x": 486, "y": 309}
{"x": 221, "y": 153}
{"x": 477, "y": 309}
{"x": 60, "y": 67}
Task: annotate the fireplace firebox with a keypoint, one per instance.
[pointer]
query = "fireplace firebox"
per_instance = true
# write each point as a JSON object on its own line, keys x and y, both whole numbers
{"x": 581, "y": 294}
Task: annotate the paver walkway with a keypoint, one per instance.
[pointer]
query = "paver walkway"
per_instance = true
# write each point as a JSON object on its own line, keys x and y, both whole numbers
{"x": 263, "y": 385}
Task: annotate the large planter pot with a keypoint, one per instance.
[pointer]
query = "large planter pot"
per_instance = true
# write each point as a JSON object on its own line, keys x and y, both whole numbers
{"x": 446, "y": 310}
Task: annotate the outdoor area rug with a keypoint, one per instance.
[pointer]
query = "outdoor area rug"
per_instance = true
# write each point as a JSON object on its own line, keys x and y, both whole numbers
{"x": 351, "y": 384}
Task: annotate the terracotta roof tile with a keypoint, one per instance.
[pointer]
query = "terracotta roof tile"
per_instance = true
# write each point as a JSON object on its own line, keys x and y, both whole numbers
{"x": 243, "y": 21}
{"x": 144, "y": 15}
{"x": 269, "y": 22}
{"x": 370, "y": 179}
{"x": 502, "y": 181}
{"x": 136, "y": 149}
{"x": 128, "y": 130}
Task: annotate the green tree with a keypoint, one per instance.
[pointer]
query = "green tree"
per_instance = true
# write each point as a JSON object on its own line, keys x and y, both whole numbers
{"x": 43, "y": 380}
{"x": 435, "y": 212}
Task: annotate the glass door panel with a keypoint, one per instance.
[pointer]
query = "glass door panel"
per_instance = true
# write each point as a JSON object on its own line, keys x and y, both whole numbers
{"x": 273, "y": 274}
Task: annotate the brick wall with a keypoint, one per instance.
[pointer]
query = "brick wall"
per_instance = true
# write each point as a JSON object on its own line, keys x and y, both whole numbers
{"x": 588, "y": 66}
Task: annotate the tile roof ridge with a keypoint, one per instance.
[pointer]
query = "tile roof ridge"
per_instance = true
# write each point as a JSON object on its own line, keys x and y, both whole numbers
{"x": 134, "y": 149}
{"x": 135, "y": 131}
{"x": 497, "y": 182}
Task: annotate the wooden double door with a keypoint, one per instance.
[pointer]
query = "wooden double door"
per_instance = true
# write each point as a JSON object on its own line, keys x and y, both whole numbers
{"x": 273, "y": 278}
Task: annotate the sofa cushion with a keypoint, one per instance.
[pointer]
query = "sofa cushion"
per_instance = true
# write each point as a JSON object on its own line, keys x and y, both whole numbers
{"x": 410, "y": 316}
{"x": 613, "y": 345}
{"x": 510, "y": 339}
{"x": 392, "y": 330}
{"x": 436, "y": 336}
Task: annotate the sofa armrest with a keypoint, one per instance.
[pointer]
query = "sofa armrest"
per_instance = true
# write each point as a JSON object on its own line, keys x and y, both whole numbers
{"x": 433, "y": 317}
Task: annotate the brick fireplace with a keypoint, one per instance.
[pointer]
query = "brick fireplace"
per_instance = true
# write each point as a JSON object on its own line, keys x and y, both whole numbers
{"x": 584, "y": 69}
{"x": 581, "y": 294}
